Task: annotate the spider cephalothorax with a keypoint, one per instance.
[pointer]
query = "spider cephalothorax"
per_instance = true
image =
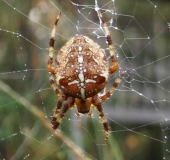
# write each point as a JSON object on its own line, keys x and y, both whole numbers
{"x": 81, "y": 71}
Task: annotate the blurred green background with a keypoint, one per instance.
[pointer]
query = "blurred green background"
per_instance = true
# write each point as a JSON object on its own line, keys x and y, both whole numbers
{"x": 137, "y": 112}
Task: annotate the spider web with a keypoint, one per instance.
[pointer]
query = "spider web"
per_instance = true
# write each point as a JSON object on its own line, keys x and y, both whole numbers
{"x": 137, "y": 112}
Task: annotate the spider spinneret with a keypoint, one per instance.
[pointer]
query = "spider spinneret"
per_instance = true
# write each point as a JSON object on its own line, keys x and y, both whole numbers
{"x": 80, "y": 72}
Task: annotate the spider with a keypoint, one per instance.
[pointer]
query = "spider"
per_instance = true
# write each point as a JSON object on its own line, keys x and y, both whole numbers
{"x": 80, "y": 73}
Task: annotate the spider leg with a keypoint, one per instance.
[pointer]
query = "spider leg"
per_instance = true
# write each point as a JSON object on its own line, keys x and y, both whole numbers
{"x": 57, "y": 109}
{"x": 50, "y": 59}
{"x": 59, "y": 116}
{"x": 90, "y": 114}
{"x": 97, "y": 104}
{"x": 114, "y": 66}
{"x": 116, "y": 83}
{"x": 54, "y": 86}
{"x": 51, "y": 48}
{"x": 78, "y": 114}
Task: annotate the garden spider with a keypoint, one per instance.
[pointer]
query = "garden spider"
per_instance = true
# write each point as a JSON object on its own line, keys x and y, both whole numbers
{"x": 80, "y": 72}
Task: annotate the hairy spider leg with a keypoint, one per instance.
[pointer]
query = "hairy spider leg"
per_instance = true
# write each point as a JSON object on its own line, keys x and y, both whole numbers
{"x": 98, "y": 105}
{"x": 54, "y": 86}
{"x": 90, "y": 114}
{"x": 114, "y": 66}
{"x": 67, "y": 104}
{"x": 57, "y": 109}
{"x": 115, "y": 84}
{"x": 51, "y": 48}
{"x": 50, "y": 59}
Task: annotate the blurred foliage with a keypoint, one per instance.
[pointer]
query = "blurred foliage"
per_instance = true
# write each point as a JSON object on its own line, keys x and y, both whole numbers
{"x": 23, "y": 67}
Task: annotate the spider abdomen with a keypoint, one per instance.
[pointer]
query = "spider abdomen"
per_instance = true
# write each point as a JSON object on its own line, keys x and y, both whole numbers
{"x": 82, "y": 69}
